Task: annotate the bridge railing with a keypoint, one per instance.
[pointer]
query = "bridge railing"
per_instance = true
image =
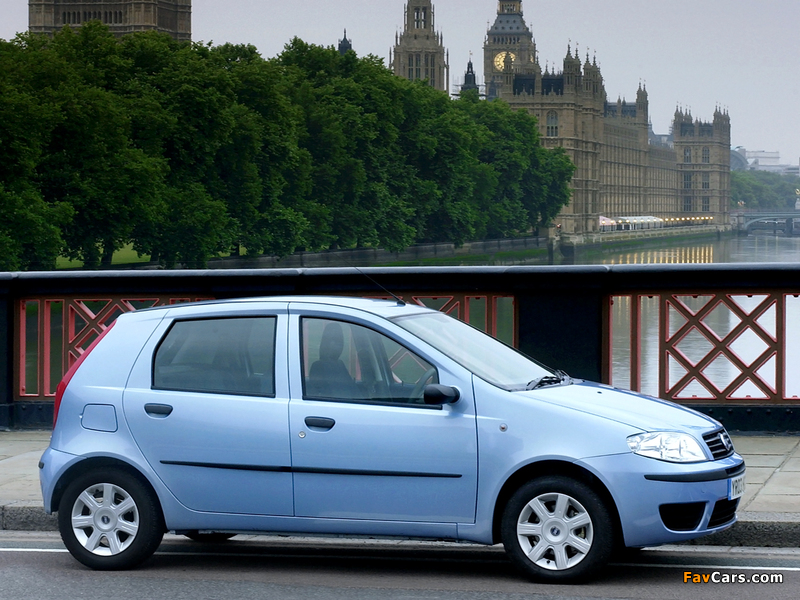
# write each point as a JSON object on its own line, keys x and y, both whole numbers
{"x": 724, "y": 339}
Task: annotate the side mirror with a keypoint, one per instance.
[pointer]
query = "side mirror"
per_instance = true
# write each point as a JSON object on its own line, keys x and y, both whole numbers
{"x": 436, "y": 394}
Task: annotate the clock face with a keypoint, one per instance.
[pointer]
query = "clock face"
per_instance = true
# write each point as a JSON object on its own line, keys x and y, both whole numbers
{"x": 500, "y": 60}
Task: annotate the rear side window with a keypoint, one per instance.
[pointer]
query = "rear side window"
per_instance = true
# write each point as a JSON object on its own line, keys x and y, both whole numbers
{"x": 219, "y": 356}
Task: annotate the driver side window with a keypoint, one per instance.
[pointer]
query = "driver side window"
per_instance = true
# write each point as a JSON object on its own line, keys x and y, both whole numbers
{"x": 347, "y": 362}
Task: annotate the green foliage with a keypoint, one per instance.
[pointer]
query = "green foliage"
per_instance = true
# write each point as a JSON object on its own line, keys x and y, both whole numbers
{"x": 761, "y": 189}
{"x": 185, "y": 151}
{"x": 30, "y": 237}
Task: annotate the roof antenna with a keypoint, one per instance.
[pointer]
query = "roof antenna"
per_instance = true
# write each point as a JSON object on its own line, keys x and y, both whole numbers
{"x": 400, "y": 301}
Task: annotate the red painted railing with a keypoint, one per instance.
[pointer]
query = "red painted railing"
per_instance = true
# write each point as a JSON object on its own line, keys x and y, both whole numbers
{"x": 728, "y": 348}
{"x": 51, "y": 333}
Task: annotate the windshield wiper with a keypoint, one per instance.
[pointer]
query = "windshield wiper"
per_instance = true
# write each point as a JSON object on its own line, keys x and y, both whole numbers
{"x": 559, "y": 378}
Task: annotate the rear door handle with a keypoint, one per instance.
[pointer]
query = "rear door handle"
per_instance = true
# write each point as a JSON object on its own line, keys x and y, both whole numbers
{"x": 320, "y": 423}
{"x": 160, "y": 411}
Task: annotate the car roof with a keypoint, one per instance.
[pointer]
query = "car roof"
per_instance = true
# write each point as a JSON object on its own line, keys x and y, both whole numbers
{"x": 377, "y": 306}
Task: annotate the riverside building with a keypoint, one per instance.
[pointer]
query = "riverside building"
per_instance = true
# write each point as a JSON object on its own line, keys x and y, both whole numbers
{"x": 123, "y": 16}
{"x": 622, "y": 167}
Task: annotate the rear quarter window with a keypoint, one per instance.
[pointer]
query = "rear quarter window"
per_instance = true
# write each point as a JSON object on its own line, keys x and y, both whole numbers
{"x": 218, "y": 356}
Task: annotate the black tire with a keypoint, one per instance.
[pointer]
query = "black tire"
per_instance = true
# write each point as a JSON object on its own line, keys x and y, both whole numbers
{"x": 571, "y": 534}
{"x": 110, "y": 520}
{"x": 209, "y": 538}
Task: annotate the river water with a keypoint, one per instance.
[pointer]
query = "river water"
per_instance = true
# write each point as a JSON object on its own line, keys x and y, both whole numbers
{"x": 698, "y": 344}
{"x": 729, "y": 249}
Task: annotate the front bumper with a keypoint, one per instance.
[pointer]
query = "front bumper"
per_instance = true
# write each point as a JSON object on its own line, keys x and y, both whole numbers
{"x": 662, "y": 503}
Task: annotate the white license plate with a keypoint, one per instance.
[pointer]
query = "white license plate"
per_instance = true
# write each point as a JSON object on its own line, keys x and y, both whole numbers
{"x": 735, "y": 487}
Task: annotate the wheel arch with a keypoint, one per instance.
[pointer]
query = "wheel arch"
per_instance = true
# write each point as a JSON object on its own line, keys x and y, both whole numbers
{"x": 553, "y": 467}
{"x": 100, "y": 463}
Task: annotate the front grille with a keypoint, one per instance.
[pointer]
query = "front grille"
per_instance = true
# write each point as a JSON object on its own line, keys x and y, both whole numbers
{"x": 724, "y": 512}
{"x": 682, "y": 517}
{"x": 719, "y": 443}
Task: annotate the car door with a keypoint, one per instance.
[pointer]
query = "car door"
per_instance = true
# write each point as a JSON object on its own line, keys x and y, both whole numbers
{"x": 207, "y": 403}
{"x": 364, "y": 445}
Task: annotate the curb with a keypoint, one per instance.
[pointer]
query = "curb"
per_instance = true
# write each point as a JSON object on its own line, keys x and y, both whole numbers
{"x": 26, "y": 516}
{"x": 757, "y": 530}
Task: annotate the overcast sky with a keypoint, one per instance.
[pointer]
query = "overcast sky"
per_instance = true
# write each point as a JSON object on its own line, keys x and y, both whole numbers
{"x": 741, "y": 55}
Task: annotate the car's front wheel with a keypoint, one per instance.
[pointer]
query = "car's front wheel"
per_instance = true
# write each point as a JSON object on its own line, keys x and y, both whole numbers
{"x": 557, "y": 529}
{"x": 109, "y": 520}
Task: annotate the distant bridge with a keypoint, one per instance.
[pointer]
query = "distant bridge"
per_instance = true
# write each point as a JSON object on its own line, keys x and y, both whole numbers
{"x": 775, "y": 220}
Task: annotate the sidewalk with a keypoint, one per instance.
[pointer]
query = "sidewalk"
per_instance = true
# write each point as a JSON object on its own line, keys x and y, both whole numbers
{"x": 769, "y": 513}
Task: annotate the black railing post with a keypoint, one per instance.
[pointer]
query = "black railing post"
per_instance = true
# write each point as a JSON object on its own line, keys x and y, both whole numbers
{"x": 564, "y": 331}
{"x": 560, "y": 317}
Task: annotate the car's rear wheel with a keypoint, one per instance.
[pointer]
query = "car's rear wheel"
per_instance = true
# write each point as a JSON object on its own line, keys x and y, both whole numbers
{"x": 557, "y": 529}
{"x": 109, "y": 519}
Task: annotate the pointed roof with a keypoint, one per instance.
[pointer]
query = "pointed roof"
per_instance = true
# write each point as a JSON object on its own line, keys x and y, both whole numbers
{"x": 345, "y": 45}
{"x": 470, "y": 80}
{"x": 508, "y": 22}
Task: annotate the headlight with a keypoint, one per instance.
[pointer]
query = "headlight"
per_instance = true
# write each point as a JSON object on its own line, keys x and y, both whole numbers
{"x": 667, "y": 445}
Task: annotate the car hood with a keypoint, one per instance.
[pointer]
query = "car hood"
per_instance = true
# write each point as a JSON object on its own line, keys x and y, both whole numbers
{"x": 637, "y": 410}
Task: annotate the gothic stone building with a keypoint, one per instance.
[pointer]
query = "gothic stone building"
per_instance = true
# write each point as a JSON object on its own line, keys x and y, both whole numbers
{"x": 622, "y": 169}
{"x": 123, "y": 16}
{"x": 419, "y": 52}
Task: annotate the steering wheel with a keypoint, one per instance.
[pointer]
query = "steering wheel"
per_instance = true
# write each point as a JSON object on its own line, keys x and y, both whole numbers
{"x": 420, "y": 385}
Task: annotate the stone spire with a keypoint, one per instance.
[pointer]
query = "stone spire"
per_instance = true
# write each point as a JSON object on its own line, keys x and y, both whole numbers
{"x": 470, "y": 79}
{"x": 345, "y": 45}
{"x": 419, "y": 53}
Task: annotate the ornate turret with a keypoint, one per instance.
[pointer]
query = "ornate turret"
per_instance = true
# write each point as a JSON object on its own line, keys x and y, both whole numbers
{"x": 470, "y": 79}
{"x": 642, "y": 104}
{"x": 345, "y": 45}
{"x": 509, "y": 8}
{"x": 593, "y": 80}
{"x": 419, "y": 53}
{"x": 572, "y": 70}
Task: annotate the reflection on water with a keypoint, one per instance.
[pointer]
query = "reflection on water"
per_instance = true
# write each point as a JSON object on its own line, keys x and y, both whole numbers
{"x": 684, "y": 335}
{"x": 690, "y": 254}
{"x": 734, "y": 249}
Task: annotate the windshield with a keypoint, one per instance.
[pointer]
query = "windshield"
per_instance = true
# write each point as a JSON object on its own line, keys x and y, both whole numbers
{"x": 486, "y": 357}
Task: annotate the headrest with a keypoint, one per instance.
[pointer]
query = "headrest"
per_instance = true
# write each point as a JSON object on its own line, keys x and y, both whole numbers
{"x": 332, "y": 343}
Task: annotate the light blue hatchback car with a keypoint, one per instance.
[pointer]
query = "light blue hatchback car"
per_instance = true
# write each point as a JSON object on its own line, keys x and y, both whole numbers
{"x": 343, "y": 416}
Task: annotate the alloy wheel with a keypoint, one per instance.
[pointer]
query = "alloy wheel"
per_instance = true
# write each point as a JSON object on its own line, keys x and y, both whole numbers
{"x": 555, "y": 531}
{"x": 105, "y": 519}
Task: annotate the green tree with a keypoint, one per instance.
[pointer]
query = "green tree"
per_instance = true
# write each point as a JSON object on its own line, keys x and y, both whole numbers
{"x": 182, "y": 113}
{"x": 30, "y": 230}
{"x": 80, "y": 154}
{"x": 30, "y": 237}
{"x": 263, "y": 170}
{"x": 762, "y": 189}
{"x": 188, "y": 150}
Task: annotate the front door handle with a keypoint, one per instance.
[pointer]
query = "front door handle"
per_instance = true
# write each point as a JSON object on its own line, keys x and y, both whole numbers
{"x": 320, "y": 423}
{"x": 159, "y": 411}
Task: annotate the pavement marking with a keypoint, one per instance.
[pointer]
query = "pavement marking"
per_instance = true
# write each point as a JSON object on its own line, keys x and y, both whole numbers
{"x": 48, "y": 550}
{"x": 255, "y": 555}
{"x": 707, "y": 567}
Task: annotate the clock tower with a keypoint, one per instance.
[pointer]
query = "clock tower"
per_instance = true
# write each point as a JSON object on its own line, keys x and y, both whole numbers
{"x": 509, "y": 48}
